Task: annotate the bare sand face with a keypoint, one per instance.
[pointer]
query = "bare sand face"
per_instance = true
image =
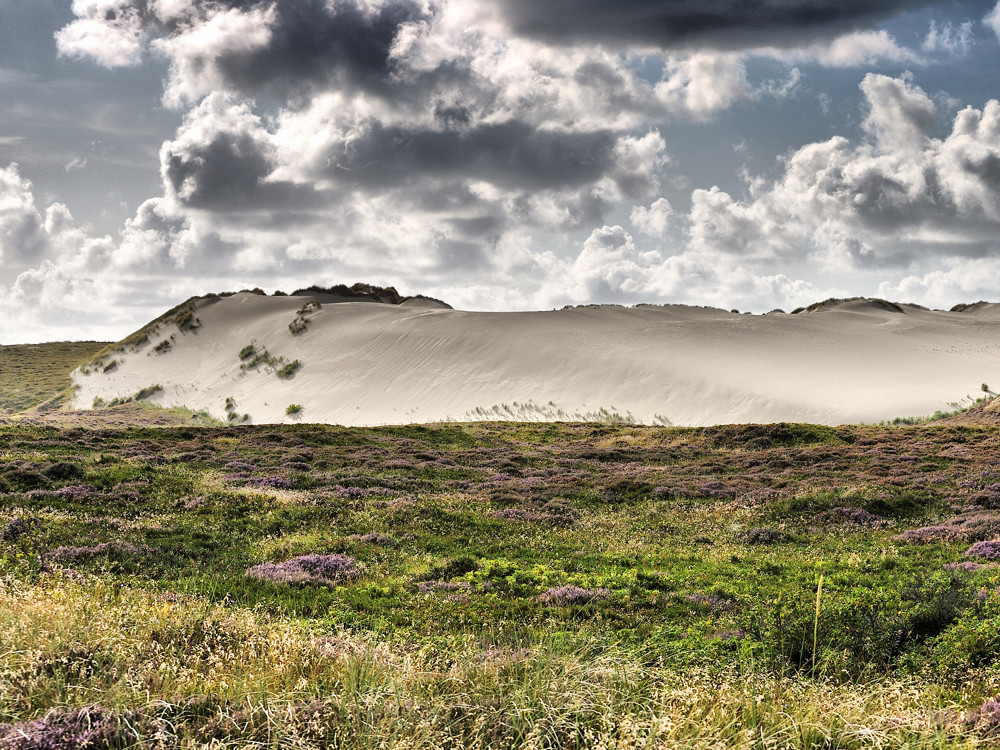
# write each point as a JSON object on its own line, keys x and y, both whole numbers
{"x": 366, "y": 363}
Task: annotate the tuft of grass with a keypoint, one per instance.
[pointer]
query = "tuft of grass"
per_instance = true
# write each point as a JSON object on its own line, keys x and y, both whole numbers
{"x": 293, "y": 408}
{"x": 287, "y": 370}
{"x": 141, "y": 395}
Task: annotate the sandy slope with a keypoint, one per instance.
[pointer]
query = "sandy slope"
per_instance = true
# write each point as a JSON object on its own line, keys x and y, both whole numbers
{"x": 371, "y": 363}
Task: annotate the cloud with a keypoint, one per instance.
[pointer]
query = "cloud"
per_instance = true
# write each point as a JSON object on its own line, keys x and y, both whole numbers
{"x": 854, "y": 49}
{"x": 960, "y": 280}
{"x": 888, "y": 202}
{"x": 702, "y": 83}
{"x": 718, "y": 24}
{"x": 110, "y": 32}
{"x": 992, "y": 20}
{"x": 510, "y": 154}
{"x": 949, "y": 40}
{"x": 22, "y": 234}
{"x": 609, "y": 267}
{"x": 654, "y": 221}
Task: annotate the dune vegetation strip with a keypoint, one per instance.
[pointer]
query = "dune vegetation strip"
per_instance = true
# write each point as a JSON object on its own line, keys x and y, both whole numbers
{"x": 499, "y": 586}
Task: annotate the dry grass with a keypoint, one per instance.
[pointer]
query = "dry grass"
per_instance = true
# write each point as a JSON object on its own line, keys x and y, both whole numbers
{"x": 274, "y": 683}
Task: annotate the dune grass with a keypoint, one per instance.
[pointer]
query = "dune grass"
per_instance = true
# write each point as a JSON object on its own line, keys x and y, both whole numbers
{"x": 35, "y": 375}
{"x": 500, "y": 586}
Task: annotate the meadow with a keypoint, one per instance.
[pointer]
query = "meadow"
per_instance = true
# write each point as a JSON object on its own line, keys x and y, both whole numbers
{"x": 498, "y": 585}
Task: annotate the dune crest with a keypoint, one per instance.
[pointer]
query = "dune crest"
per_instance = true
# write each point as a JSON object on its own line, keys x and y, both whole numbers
{"x": 361, "y": 360}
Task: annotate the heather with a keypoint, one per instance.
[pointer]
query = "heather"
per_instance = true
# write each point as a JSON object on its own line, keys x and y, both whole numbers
{"x": 499, "y": 585}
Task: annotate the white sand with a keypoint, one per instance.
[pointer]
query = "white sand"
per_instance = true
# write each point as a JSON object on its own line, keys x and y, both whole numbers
{"x": 367, "y": 363}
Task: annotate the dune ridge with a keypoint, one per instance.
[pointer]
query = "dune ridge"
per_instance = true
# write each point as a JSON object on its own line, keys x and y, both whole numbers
{"x": 360, "y": 360}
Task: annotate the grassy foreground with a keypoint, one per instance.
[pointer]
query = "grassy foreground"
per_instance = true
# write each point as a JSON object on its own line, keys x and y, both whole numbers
{"x": 499, "y": 586}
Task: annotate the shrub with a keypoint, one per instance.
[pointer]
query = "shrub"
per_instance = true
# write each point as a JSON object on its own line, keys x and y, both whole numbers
{"x": 762, "y": 535}
{"x": 186, "y": 320}
{"x": 248, "y": 351}
{"x": 985, "y": 720}
{"x": 162, "y": 346}
{"x": 63, "y": 470}
{"x": 113, "y": 364}
{"x": 989, "y": 550}
{"x": 570, "y": 594}
{"x": 62, "y": 729}
{"x": 308, "y": 569}
{"x": 289, "y": 369}
{"x": 17, "y": 528}
{"x": 293, "y": 408}
{"x": 83, "y": 554}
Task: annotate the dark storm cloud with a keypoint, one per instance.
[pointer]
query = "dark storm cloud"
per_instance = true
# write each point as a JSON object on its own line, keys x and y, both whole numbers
{"x": 726, "y": 24}
{"x": 314, "y": 42}
{"x": 228, "y": 174}
{"x": 511, "y": 154}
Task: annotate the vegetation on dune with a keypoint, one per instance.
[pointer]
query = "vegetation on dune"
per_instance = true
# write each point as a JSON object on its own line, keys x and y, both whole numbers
{"x": 37, "y": 376}
{"x": 499, "y": 585}
{"x": 141, "y": 395}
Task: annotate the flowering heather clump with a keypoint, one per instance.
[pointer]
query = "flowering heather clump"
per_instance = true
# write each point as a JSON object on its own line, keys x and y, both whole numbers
{"x": 360, "y": 493}
{"x": 858, "y": 516}
{"x": 967, "y": 566}
{"x": 373, "y": 537}
{"x": 83, "y": 554}
{"x": 715, "y": 489}
{"x": 240, "y": 466}
{"x": 305, "y": 569}
{"x": 762, "y": 535}
{"x": 970, "y": 527}
{"x": 17, "y": 528}
{"x": 985, "y": 720}
{"x": 91, "y": 727}
{"x": 570, "y": 594}
{"x": 515, "y": 514}
{"x": 426, "y": 587}
{"x": 75, "y": 492}
{"x": 711, "y": 601}
{"x": 274, "y": 483}
{"x": 926, "y": 534}
{"x": 987, "y": 550}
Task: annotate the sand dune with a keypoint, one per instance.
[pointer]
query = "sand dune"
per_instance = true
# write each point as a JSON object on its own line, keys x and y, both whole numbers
{"x": 365, "y": 363}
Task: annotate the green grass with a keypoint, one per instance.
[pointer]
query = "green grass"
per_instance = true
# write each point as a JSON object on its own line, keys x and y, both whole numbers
{"x": 33, "y": 375}
{"x": 704, "y": 550}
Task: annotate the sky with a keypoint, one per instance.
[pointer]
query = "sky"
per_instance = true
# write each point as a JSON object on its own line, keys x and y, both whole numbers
{"x": 497, "y": 154}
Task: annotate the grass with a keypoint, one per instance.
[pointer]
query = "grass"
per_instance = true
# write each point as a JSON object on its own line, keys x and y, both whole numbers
{"x": 33, "y": 375}
{"x": 518, "y": 585}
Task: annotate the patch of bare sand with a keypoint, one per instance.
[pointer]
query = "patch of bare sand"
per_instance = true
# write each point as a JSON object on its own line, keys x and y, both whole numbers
{"x": 365, "y": 363}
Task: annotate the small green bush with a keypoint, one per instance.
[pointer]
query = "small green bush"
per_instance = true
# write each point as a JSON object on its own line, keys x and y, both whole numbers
{"x": 293, "y": 408}
{"x": 186, "y": 320}
{"x": 289, "y": 369}
{"x": 248, "y": 351}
